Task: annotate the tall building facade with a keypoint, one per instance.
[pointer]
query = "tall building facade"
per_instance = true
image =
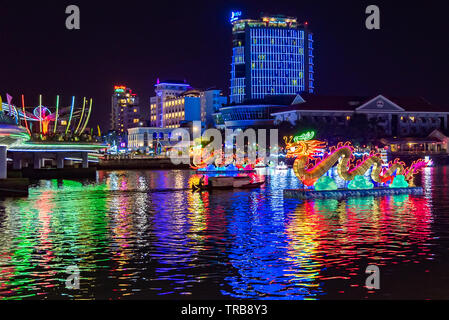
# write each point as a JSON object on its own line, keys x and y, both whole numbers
{"x": 270, "y": 56}
{"x": 125, "y": 111}
{"x": 176, "y": 102}
{"x": 211, "y": 102}
{"x": 159, "y": 109}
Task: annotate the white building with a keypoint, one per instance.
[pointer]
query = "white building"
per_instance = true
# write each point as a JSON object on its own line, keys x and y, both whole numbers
{"x": 398, "y": 116}
{"x": 148, "y": 138}
{"x": 176, "y": 102}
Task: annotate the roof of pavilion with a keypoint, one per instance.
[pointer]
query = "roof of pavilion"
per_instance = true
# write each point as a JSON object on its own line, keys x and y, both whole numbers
{"x": 313, "y": 102}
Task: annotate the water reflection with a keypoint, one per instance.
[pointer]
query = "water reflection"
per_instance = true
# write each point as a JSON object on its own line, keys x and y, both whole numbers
{"x": 145, "y": 234}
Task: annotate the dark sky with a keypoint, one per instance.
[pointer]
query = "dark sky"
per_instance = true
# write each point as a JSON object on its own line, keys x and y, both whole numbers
{"x": 135, "y": 42}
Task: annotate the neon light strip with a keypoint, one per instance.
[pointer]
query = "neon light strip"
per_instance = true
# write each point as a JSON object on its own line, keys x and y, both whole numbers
{"x": 82, "y": 114}
{"x": 56, "y": 117}
{"x": 71, "y": 114}
{"x": 88, "y": 116}
{"x": 40, "y": 114}
{"x": 24, "y": 115}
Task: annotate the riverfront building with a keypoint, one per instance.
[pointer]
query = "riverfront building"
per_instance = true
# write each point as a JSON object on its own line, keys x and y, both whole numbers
{"x": 125, "y": 110}
{"x": 270, "y": 56}
{"x": 397, "y": 116}
{"x": 177, "y": 102}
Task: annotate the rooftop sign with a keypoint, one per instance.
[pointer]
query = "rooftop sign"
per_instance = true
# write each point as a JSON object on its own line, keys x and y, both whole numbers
{"x": 235, "y": 15}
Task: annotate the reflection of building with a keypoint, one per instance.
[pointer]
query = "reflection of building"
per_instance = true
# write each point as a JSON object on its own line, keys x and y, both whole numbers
{"x": 397, "y": 116}
{"x": 176, "y": 102}
{"x": 270, "y": 56}
{"x": 125, "y": 110}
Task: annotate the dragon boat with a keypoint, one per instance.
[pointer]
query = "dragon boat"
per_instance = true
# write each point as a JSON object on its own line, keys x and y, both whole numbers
{"x": 312, "y": 164}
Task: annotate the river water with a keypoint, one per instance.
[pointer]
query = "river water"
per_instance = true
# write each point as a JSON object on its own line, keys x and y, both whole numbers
{"x": 143, "y": 235}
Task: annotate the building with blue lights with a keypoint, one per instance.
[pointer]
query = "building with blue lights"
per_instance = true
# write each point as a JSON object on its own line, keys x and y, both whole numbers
{"x": 270, "y": 56}
{"x": 256, "y": 113}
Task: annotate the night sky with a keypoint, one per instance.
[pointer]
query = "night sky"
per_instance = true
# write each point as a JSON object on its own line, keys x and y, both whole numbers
{"x": 135, "y": 42}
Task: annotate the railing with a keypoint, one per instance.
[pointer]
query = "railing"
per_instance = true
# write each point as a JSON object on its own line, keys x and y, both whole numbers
{"x": 420, "y": 153}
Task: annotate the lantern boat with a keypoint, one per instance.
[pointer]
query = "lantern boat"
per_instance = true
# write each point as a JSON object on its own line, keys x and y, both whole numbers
{"x": 223, "y": 182}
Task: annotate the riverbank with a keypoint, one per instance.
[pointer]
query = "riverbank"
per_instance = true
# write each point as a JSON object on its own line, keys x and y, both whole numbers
{"x": 14, "y": 187}
{"x": 139, "y": 163}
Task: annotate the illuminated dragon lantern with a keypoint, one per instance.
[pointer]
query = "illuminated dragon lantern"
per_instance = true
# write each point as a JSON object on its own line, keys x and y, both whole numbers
{"x": 308, "y": 166}
{"x": 202, "y": 158}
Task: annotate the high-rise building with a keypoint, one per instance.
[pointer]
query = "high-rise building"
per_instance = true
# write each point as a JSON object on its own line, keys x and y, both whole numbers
{"x": 162, "y": 111}
{"x": 125, "y": 110}
{"x": 176, "y": 102}
{"x": 270, "y": 56}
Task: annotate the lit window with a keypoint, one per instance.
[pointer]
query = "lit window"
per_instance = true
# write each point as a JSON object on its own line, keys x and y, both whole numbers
{"x": 136, "y": 120}
{"x": 135, "y": 110}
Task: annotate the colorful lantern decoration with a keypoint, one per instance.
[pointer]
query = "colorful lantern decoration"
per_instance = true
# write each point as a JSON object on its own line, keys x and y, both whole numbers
{"x": 399, "y": 182}
{"x": 309, "y": 166}
{"x": 360, "y": 183}
{"x": 325, "y": 183}
{"x": 44, "y": 116}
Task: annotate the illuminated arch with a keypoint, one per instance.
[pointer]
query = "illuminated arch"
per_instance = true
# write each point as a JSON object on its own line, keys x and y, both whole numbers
{"x": 71, "y": 114}
{"x": 81, "y": 117}
{"x": 88, "y": 116}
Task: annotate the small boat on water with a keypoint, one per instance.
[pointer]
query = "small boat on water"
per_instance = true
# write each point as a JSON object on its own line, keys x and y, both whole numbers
{"x": 243, "y": 182}
{"x": 282, "y": 166}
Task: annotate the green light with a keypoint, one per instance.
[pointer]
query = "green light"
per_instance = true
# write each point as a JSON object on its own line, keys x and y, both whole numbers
{"x": 88, "y": 116}
{"x": 325, "y": 183}
{"x": 305, "y": 136}
{"x": 399, "y": 182}
{"x": 360, "y": 183}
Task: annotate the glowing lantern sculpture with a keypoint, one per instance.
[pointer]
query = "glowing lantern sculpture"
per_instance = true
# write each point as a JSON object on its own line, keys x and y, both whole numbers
{"x": 44, "y": 116}
{"x": 309, "y": 166}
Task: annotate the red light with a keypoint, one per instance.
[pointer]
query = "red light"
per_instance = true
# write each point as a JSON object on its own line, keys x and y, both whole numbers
{"x": 306, "y": 23}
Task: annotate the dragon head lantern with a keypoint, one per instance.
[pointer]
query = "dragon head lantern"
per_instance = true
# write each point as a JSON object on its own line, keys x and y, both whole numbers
{"x": 303, "y": 145}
